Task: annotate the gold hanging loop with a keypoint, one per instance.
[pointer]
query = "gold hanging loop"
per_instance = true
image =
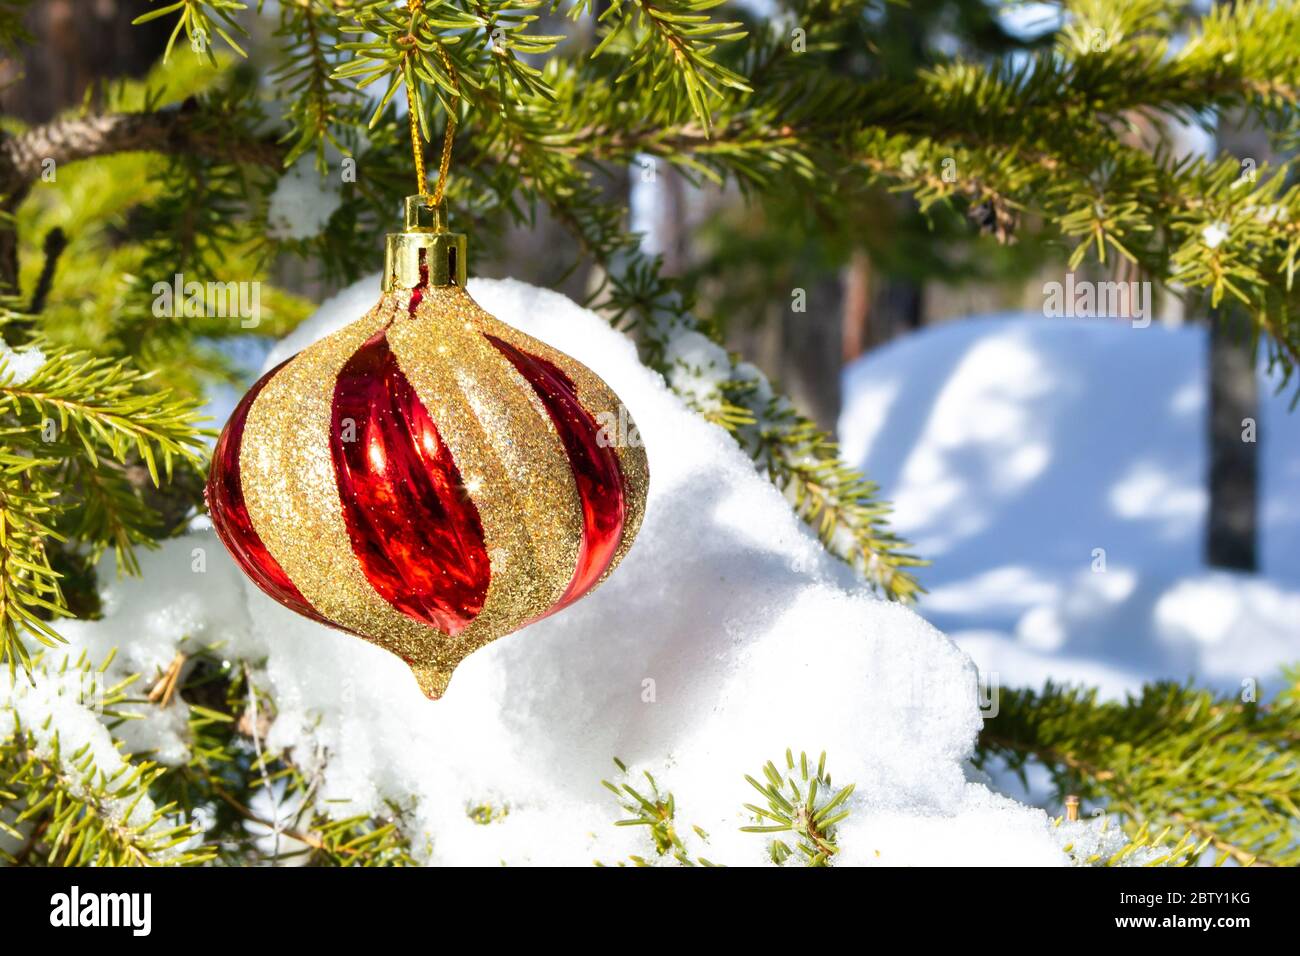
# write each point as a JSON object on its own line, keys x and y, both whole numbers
{"x": 444, "y": 164}
{"x": 413, "y": 112}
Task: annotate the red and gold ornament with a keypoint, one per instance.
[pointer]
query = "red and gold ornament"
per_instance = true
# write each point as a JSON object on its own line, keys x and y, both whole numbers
{"x": 428, "y": 478}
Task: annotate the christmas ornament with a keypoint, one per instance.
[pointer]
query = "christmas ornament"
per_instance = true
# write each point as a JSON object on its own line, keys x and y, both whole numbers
{"x": 428, "y": 477}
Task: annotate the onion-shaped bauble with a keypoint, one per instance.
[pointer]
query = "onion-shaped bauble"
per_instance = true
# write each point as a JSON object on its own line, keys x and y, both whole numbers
{"x": 428, "y": 478}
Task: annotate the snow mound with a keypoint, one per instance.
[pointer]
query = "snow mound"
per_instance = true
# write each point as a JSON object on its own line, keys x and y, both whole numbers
{"x": 1054, "y": 471}
{"x": 726, "y": 636}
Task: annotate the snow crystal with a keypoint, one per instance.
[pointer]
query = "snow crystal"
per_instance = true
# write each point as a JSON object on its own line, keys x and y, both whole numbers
{"x": 1214, "y": 234}
{"x": 726, "y": 636}
{"x": 302, "y": 202}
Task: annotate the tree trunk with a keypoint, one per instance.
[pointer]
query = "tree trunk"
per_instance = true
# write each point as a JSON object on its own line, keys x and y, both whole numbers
{"x": 812, "y": 353}
{"x": 857, "y": 306}
{"x": 802, "y": 352}
{"x": 898, "y": 308}
{"x": 1230, "y": 540}
{"x": 75, "y": 43}
{"x": 1231, "y": 521}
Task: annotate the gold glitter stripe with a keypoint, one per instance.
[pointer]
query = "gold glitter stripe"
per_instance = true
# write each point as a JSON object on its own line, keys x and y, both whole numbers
{"x": 508, "y": 451}
{"x": 604, "y": 405}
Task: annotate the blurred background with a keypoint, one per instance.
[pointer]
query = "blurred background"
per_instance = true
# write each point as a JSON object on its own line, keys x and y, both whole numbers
{"x": 1106, "y": 499}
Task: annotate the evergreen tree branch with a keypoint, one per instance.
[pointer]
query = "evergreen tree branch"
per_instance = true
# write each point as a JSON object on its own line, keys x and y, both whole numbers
{"x": 180, "y": 130}
{"x": 200, "y": 19}
{"x": 1173, "y": 756}
{"x": 228, "y": 768}
{"x": 321, "y": 111}
{"x": 645, "y": 805}
{"x": 669, "y": 45}
{"x": 802, "y": 804}
{"x": 88, "y": 806}
{"x": 29, "y": 587}
{"x": 61, "y": 427}
{"x": 104, "y": 406}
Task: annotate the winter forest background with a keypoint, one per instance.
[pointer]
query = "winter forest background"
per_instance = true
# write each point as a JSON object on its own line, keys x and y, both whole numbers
{"x": 1080, "y": 419}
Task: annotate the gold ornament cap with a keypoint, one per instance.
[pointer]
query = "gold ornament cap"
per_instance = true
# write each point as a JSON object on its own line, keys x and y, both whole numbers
{"x": 426, "y": 253}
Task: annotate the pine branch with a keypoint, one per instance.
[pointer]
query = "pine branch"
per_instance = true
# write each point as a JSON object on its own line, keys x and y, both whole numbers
{"x": 229, "y": 767}
{"x": 1094, "y": 847}
{"x": 110, "y": 512}
{"x": 201, "y": 19}
{"x": 320, "y": 111}
{"x": 1209, "y": 766}
{"x": 62, "y": 426}
{"x": 173, "y": 131}
{"x": 802, "y": 804}
{"x": 180, "y": 130}
{"x": 669, "y": 45}
{"x": 88, "y": 806}
{"x": 1039, "y": 135}
{"x": 30, "y": 594}
{"x": 458, "y": 54}
{"x": 657, "y": 812}
{"x": 105, "y": 406}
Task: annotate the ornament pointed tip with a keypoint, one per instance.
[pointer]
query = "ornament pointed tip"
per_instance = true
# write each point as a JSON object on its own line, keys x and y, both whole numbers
{"x": 432, "y": 678}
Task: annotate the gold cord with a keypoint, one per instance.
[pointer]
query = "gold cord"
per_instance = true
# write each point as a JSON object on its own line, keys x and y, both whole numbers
{"x": 417, "y": 151}
{"x": 444, "y": 164}
{"x": 422, "y": 184}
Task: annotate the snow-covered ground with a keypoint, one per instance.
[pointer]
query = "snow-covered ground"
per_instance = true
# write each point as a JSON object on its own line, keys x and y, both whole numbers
{"x": 1054, "y": 472}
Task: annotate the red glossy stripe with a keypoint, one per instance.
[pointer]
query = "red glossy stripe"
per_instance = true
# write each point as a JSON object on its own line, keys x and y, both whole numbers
{"x": 413, "y": 527}
{"x": 417, "y": 294}
{"x": 225, "y": 495}
{"x": 595, "y": 467}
